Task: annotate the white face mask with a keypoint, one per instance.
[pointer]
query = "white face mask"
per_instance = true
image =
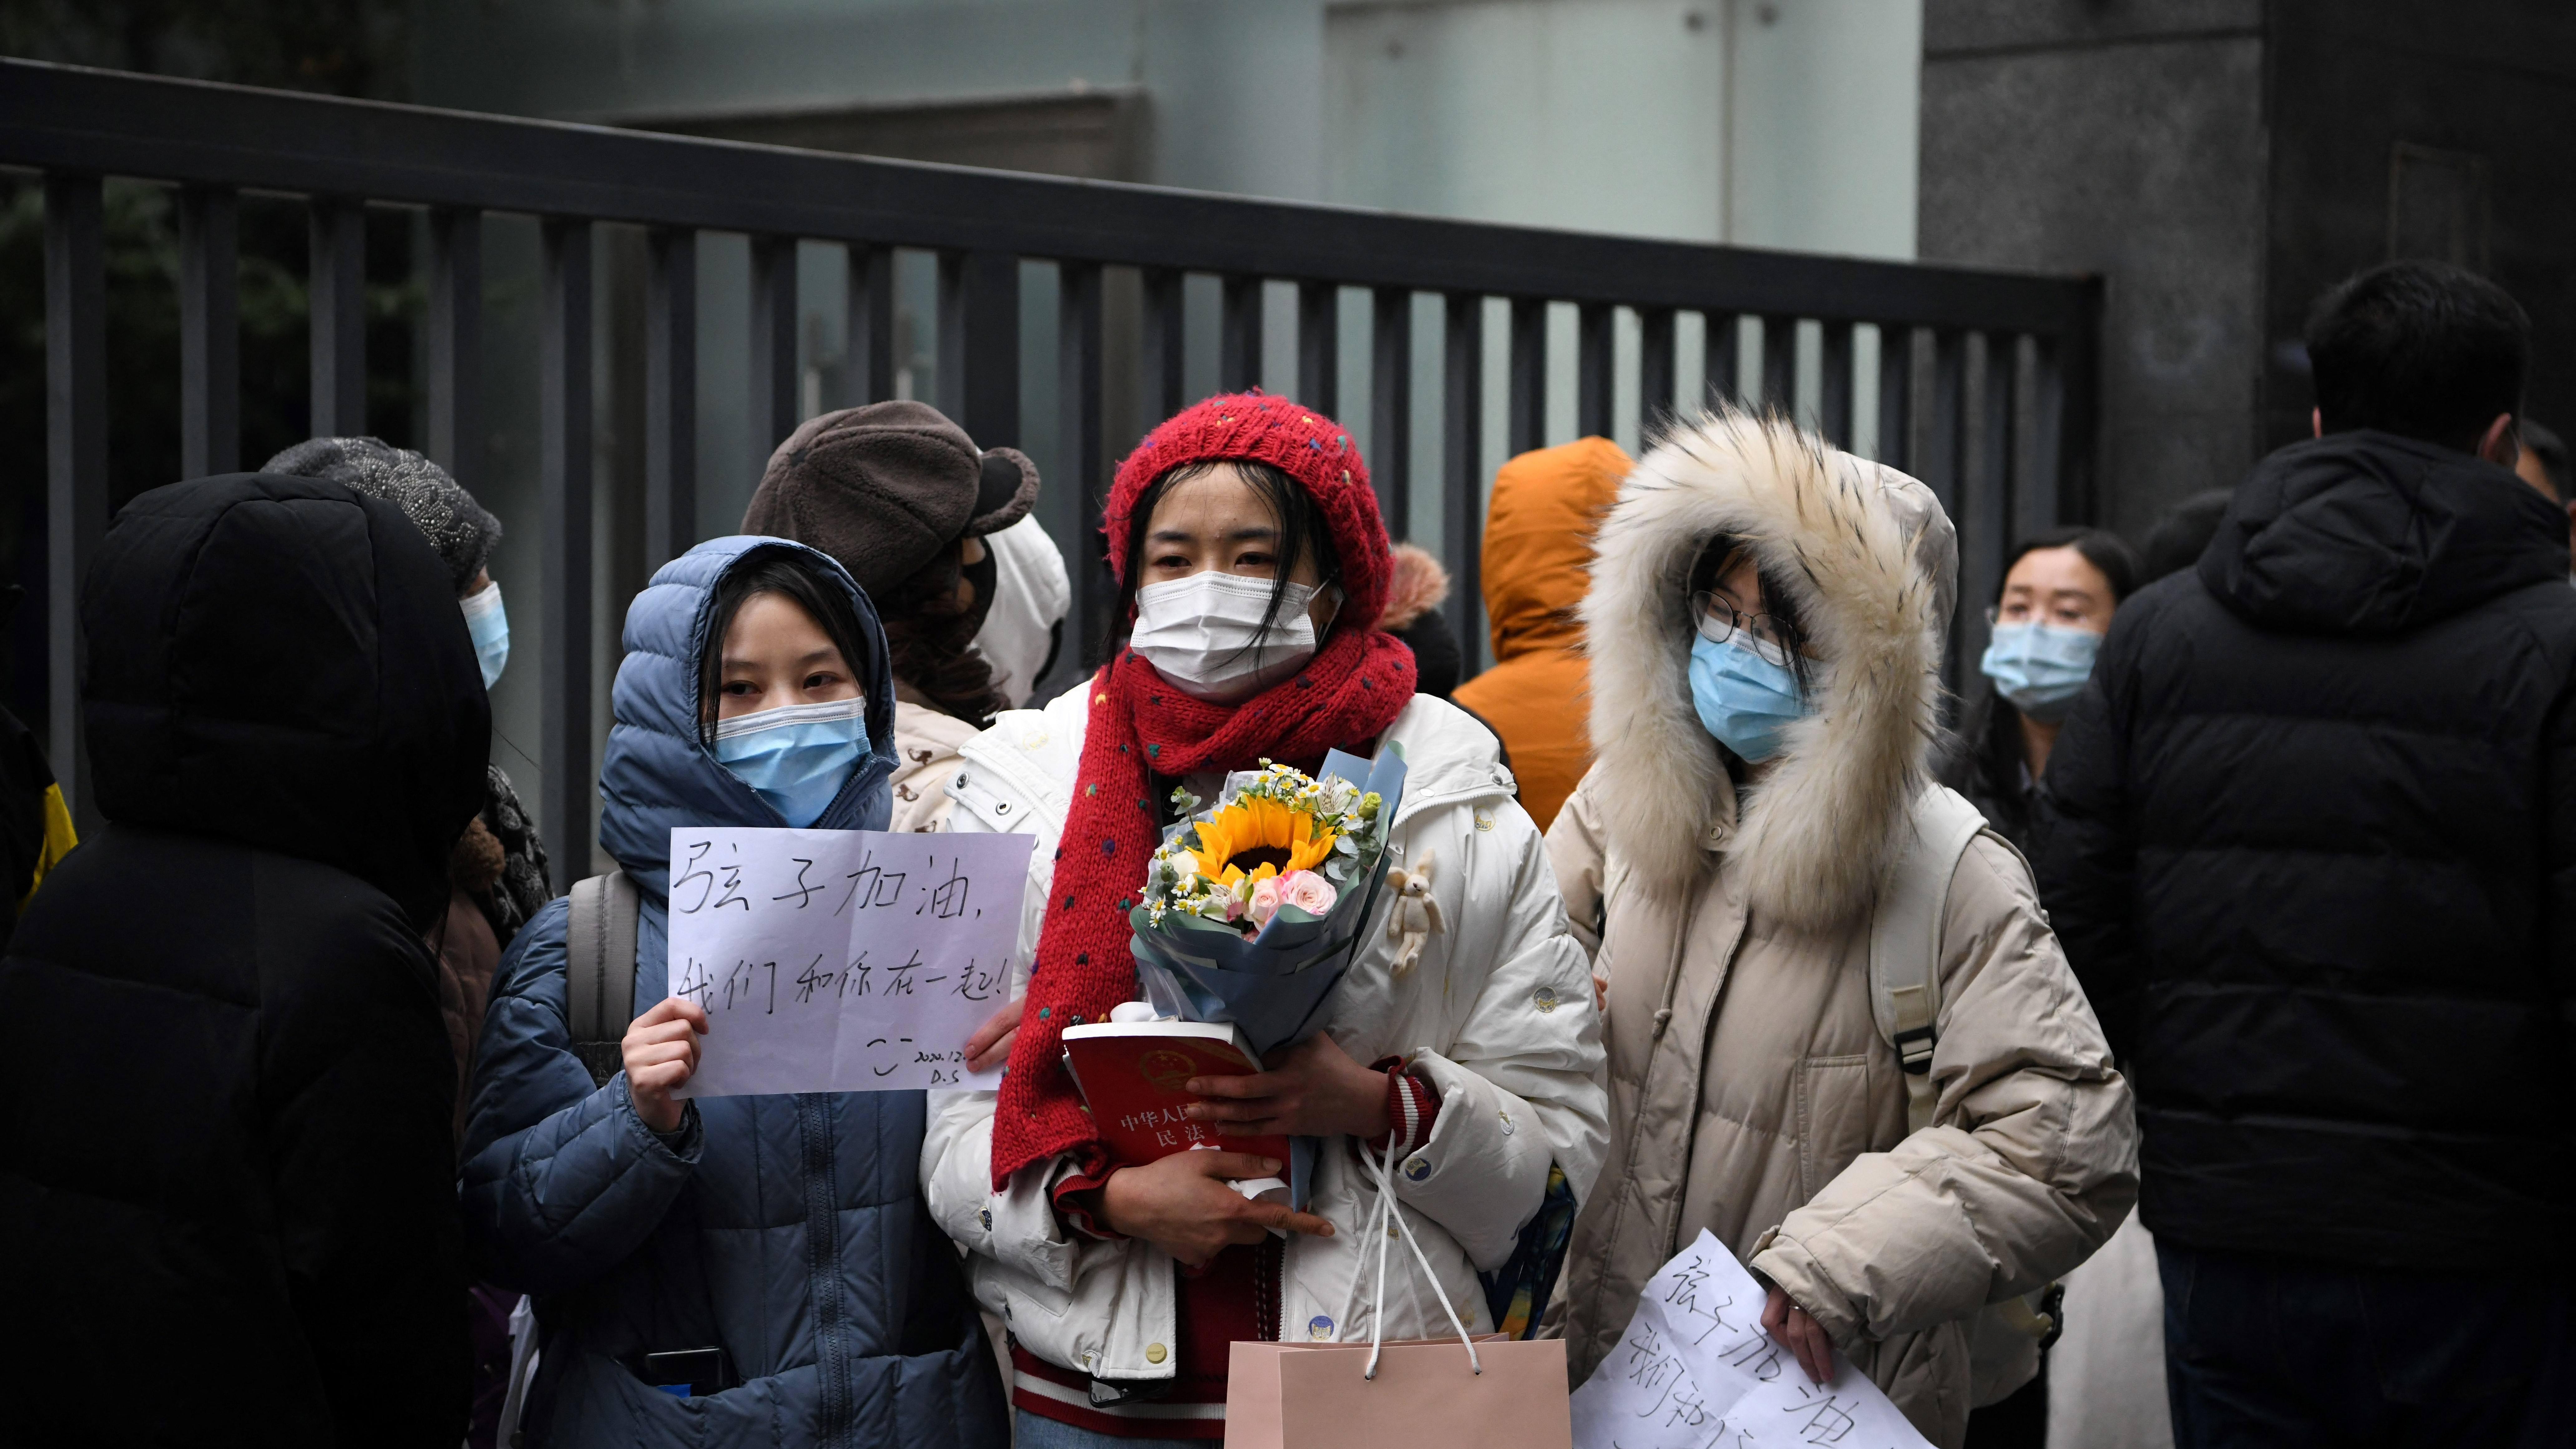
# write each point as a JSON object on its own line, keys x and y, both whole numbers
{"x": 1200, "y": 633}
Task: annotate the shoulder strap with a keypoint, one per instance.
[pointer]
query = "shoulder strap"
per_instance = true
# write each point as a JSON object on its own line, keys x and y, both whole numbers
{"x": 599, "y": 970}
{"x": 1905, "y": 939}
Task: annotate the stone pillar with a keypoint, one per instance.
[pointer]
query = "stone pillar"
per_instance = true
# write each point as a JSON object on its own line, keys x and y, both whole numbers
{"x": 2220, "y": 163}
{"x": 2125, "y": 139}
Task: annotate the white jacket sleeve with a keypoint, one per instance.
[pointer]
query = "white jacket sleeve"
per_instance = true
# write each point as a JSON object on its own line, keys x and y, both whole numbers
{"x": 999, "y": 789}
{"x": 1519, "y": 1079}
{"x": 1018, "y": 1227}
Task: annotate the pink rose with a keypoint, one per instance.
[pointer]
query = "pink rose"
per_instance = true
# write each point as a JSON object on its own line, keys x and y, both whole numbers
{"x": 1308, "y": 891}
{"x": 1266, "y": 899}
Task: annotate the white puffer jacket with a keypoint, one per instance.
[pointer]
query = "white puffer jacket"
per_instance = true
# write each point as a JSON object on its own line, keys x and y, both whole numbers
{"x": 1497, "y": 1015}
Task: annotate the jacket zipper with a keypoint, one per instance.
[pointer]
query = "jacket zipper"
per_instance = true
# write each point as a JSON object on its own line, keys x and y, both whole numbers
{"x": 822, "y": 1264}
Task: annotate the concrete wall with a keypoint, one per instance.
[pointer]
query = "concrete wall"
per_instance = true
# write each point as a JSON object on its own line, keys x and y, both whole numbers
{"x": 2125, "y": 138}
{"x": 2221, "y": 163}
{"x": 1617, "y": 115}
{"x": 2484, "y": 89}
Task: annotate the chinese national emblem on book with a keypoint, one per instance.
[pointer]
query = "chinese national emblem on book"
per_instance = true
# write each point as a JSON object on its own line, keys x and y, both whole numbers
{"x": 1135, "y": 1076}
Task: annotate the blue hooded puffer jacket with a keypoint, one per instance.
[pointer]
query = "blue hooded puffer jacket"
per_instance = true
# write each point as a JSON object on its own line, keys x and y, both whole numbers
{"x": 788, "y": 1230}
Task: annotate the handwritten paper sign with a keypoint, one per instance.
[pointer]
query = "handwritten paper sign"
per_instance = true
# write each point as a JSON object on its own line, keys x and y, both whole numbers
{"x": 841, "y": 960}
{"x": 1696, "y": 1371}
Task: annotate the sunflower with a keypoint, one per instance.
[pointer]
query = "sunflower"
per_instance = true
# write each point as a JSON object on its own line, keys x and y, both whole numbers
{"x": 1264, "y": 835}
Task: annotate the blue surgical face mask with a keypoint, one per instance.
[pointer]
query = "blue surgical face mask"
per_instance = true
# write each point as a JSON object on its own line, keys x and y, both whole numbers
{"x": 490, "y": 629}
{"x": 798, "y": 756}
{"x": 1745, "y": 700}
{"x": 2041, "y": 667}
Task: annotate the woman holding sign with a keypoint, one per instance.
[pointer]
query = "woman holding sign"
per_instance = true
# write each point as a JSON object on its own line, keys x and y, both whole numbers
{"x": 737, "y": 1269}
{"x": 1842, "y": 1037}
{"x": 1252, "y": 565}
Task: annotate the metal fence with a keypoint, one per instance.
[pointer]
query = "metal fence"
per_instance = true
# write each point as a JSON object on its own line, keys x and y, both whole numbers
{"x": 1983, "y": 385}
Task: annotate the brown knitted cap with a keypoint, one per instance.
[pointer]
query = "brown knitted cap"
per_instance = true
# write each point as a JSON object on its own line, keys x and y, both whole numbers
{"x": 884, "y": 488}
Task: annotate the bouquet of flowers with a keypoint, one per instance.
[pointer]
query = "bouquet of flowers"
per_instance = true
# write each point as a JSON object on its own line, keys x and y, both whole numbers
{"x": 1282, "y": 838}
{"x": 1252, "y": 910}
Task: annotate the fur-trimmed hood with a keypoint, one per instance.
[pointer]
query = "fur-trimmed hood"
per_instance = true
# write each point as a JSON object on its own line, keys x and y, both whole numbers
{"x": 1872, "y": 562}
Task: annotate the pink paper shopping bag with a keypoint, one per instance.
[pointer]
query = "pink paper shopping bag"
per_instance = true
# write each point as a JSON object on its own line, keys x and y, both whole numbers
{"x": 1489, "y": 1392}
{"x": 1318, "y": 1396}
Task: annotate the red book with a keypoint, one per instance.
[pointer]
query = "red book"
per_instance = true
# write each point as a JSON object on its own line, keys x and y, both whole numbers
{"x": 1132, "y": 1072}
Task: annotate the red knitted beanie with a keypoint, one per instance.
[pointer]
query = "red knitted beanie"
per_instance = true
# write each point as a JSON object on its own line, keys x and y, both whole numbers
{"x": 1301, "y": 442}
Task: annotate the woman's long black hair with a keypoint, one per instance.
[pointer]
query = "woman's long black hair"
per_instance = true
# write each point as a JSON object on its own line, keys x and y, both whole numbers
{"x": 1302, "y": 532}
{"x": 789, "y": 573}
{"x": 1988, "y": 739}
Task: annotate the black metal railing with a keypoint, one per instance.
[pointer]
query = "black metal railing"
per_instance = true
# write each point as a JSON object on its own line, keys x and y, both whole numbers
{"x": 1983, "y": 388}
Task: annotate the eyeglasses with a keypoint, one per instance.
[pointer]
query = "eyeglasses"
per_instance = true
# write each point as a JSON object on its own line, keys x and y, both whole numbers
{"x": 1718, "y": 621}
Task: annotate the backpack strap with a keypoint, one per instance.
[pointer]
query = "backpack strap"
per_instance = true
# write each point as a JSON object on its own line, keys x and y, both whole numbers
{"x": 599, "y": 971}
{"x": 1905, "y": 939}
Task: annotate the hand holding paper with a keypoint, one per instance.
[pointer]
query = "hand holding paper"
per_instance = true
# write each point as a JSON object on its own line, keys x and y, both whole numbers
{"x": 660, "y": 1054}
{"x": 1696, "y": 1371}
{"x": 1794, "y": 1326}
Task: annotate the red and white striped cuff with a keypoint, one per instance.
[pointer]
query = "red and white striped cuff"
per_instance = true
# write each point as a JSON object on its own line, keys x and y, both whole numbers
{"x": 1412, "y": 1105}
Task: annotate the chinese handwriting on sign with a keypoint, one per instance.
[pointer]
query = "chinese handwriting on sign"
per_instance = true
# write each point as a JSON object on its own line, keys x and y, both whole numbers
{"x": 1696, "y": 1371}
{"x": 841, "y": 960}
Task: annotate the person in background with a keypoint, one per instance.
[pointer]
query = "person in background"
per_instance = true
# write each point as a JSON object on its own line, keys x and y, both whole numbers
{"x": 497, "y": 874}
{"x": 498, "y": 870}
{"x": 904, "y": 500}
{"x": 2179, "y": 538}
{"x": 1253, "y": 570}
{"x": 1765, "y": 623}
{"x": 2059, "y": 592}
{"x": 785, "y": 1231}
{"x": 2060, "y": 589}
{"x": 231, "y": 1186}
{"x": 35, "y": 825}
{"x": 1538, "y": 557}
{"x": 2309, "y": 838}
{"x": 1415, "y": 590}
{"x": 1023, "y": 632}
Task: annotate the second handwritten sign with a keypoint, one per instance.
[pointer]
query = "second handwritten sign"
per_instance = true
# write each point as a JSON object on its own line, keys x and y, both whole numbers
{"x": 841, "y": 960}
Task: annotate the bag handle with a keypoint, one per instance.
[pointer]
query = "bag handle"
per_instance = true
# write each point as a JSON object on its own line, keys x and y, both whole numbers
{"x": 1381, "y": 1171}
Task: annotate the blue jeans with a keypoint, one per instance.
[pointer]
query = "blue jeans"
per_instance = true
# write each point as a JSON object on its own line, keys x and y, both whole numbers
{"x": 2276, "y": 1351}
{"x": 1034, "y": 1432}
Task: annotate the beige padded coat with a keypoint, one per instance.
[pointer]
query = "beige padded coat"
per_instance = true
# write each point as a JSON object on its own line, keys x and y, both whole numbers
{"x": 1750, "y": 1092}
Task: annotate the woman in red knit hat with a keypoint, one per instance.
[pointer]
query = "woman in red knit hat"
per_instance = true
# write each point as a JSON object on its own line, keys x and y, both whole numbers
{"x": 1252, "y": 567}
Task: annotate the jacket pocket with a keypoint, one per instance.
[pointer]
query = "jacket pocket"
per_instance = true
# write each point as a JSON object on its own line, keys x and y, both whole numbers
{"x": 1831, "y": 1117}
{"x": 600, "y": 1405}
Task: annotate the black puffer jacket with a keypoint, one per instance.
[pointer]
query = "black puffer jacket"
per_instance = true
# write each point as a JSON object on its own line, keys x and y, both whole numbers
{"x": 2310, "y": 841}
{"x": 1982, "y": 759}
{"x": 229, "y": 1192}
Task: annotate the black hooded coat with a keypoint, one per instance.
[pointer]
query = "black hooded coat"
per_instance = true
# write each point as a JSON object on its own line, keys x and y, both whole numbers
{"x": 2309, "y": 838}
{"x": 230, "y": 1201}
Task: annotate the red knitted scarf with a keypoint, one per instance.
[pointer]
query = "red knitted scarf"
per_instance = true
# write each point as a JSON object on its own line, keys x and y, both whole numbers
{"x": 1141, "y": 726}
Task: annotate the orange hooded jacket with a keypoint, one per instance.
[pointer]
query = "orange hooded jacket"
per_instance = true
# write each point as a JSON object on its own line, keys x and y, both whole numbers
{"x": 1538, "y": 556}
